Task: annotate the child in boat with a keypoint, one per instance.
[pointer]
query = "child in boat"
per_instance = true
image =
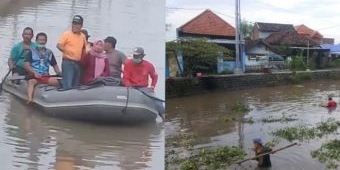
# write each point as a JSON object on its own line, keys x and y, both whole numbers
{"x": 37, "y": 64}
{"x": 95, "y": 63}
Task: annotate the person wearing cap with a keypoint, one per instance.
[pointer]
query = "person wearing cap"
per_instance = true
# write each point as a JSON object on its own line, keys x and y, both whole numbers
{"x": 116, "y": 58}
{"x": 73, "y": 46}
{"x": 87, "y": 36}
{"x": 263, "y": 161}
{"x": 136, "y": 74}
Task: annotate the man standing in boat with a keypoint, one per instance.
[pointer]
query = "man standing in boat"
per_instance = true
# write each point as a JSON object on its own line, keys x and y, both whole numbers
{"x": 116, "y": 58}
{"x": 19, "y": 51}
{"x": 73, "y": 46}
{"x": 37, "y": 64}
{"x": 136, "y": 74}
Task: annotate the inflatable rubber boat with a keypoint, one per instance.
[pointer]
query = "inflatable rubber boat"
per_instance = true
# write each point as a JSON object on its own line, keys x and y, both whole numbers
{"x": 109, "y": 104}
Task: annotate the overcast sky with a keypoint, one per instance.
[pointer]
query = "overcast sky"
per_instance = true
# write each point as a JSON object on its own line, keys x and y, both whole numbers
{"x": 320, "y": 15}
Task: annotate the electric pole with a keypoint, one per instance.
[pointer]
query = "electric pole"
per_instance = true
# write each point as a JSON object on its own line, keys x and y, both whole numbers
{"x": 237, "y": 37}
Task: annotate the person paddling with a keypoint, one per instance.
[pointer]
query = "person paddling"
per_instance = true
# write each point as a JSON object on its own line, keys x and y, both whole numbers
{"x": 263, "y": 161}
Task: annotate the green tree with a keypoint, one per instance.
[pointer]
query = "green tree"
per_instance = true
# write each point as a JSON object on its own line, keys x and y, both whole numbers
{"x": 246, "y": 29}
{"x": 199, "y": 55}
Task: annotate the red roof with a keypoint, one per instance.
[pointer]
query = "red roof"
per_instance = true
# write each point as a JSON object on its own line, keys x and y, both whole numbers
{"x": 304, "y": 30}
{"x": 208, "y": 23}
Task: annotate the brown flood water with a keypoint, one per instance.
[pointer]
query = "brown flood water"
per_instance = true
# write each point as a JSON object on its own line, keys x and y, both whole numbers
{"x": 29, "y": 140}
{"x": 204, "y": 115}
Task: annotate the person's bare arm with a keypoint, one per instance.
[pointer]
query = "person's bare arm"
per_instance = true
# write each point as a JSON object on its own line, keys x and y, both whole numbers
{"x": 10, "y": 63}
{"x": 60, "y": 47}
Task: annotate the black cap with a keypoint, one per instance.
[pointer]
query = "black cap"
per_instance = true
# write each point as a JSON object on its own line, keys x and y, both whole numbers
{"x": 77, "y": 19}
{"x": 111, "y": 40}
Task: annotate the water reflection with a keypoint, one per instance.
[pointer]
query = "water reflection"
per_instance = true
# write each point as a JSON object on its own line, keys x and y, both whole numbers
{"x": 207, "y": 119}
{"x": 43, "y": 142}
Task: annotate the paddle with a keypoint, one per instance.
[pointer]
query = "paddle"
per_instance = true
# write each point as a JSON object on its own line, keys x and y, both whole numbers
{"x": 28, "y": 77}
{"x": 4, "y": 79}
{"x": 258, "y": 156}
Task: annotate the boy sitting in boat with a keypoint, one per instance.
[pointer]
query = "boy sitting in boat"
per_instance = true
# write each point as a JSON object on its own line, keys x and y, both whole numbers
{"x": 37, "y": 64}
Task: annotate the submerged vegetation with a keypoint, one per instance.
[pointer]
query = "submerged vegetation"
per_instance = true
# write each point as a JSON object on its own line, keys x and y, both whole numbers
{"x": 306, "y": 133}
{"x": 240, "y": 108}
{"x": 283, "y": 118}
{"x": 204, "y": 158}
{"x": 328, "y": 153}
{"x": 208, "y": 158}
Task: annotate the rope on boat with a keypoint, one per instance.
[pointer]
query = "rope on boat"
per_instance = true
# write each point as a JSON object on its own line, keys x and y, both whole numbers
{"x": 127, "y": 98}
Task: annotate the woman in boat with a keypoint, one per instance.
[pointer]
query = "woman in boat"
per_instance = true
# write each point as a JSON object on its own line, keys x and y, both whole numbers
{"x": 95, "y": 64}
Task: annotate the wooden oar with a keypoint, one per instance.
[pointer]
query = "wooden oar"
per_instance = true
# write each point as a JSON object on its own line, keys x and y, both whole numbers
{"x": 258, "y": 156}
{"x": 4, "y": 79}
{"x": 27, "y": 77}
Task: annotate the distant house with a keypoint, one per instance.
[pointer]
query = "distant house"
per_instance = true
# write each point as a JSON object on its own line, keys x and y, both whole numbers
{"x": 205, "y": 25}
{"x": 314, "y": 35}
{"x": 208, "y": 25}
{"x": 263, "y": 30}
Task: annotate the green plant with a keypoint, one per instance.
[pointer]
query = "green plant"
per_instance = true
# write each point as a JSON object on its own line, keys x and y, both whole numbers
{"x": 328, "y": 153}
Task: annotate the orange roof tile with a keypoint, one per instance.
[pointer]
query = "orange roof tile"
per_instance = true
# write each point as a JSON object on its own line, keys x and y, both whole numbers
{"x": 304, "y": 30}
{"x": 208, "y": 23}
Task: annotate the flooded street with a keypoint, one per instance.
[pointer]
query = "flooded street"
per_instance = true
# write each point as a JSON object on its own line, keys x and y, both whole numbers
{"x": 207, "y": 117}
{"x": 30, "y": 140}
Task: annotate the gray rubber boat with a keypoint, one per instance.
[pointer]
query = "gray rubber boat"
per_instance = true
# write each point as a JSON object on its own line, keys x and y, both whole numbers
{"x": 109, "y": 104}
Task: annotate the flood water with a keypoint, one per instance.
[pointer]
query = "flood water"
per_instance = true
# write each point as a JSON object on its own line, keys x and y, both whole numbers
{"x": 29, "y": 140}
{"x": 203, "y": 115}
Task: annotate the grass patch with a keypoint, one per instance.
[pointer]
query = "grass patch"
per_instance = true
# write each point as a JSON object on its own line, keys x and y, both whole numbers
{"x": 210, "y": 158}
{"x": 240, "y": 108}
{"x": 238, "y": 119}
{"x": 328, "y": 153}
{"x": 284, "y": 118}
{"x": 304, "y": 132}
{"x": 182, "y": 140}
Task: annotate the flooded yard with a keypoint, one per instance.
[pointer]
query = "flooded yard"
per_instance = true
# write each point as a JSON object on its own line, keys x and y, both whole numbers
{"x": 222, "y": 125}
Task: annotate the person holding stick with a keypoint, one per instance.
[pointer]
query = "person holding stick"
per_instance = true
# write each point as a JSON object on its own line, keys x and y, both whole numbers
{"x": 263, "y": 161}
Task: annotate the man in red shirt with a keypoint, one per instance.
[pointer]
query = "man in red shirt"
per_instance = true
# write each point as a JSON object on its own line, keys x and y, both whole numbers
{"x": 136, "y": 74}
{"x": 331, "y": 103}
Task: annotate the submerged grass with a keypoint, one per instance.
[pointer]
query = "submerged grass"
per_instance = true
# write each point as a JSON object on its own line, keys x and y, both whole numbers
{"x": 306, "y": 133}
{"x": 284, "y": 118}
{"x": 195, "y": 159}
{"x": 328, "y": 153}
{"x": 211, "y": 158}
{"x": 240, "y": 108}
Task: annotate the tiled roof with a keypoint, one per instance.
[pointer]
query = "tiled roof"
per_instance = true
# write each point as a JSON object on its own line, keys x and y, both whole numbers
{"x": 304, "y": 30}
{"x": 273, "y": 27}
{"x": 208, "y": 23}
{"x": 291, "y": 38}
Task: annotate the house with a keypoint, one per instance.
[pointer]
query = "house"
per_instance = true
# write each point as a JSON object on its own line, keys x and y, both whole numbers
{"x": 263, "y": 30}
{"x": 208, "y": 25}
{"x": 314, "y": 35}
{"x": 284, "y": 40}
{"x": 205, "y": 25}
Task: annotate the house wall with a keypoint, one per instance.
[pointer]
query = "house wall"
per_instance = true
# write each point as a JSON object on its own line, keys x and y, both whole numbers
{"x": 264, "y": 34}
{"x": 255, "y": 33}
{"x": 259, "y": 49}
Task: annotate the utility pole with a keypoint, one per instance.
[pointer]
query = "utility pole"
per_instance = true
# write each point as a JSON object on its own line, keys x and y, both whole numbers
{"x": 237, "y": 37}
{"x": 307, "y": 55}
